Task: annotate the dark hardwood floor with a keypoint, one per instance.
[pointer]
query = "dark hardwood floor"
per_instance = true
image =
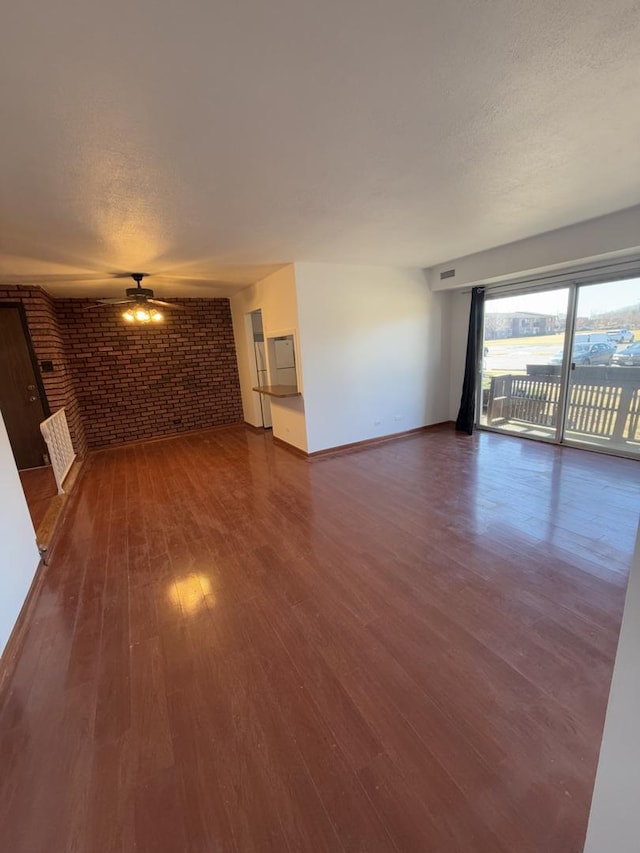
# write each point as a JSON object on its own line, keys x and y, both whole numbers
{"x": 39, "y": 486}
{"x": 404, "y": 649}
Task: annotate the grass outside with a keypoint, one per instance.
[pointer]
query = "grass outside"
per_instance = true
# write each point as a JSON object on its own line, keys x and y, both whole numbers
{"x": 529, "y": 340}
{"x": 556, "y": 340}
{"x": 548, "y": 340}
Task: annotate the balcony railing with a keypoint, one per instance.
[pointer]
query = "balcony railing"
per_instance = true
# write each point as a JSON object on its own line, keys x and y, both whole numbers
{"x": 604, "y": 402}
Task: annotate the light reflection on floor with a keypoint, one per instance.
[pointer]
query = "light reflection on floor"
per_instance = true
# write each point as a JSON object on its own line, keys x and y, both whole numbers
{"x": 191, "y": 593}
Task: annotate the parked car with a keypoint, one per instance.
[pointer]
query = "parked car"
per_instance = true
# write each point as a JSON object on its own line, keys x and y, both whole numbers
{"x": 628, "y": 357}
{"x": 592, "y": 338}
{"x": 588, "y": 354}
{"x": 620, "y": 336}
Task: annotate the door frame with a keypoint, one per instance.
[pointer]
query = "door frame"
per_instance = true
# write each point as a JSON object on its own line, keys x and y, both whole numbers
{"x": 32, "y": 353}
{"x": 522, "y": 289}
{"x": 263, "y": 402}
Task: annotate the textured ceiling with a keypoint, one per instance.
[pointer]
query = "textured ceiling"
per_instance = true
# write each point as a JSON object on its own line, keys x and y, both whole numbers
{"x": 213, "y": 142}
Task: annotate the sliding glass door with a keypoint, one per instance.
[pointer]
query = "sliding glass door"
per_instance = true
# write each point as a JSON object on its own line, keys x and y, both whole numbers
{"x": 522, "y": 364}
{"x": 603, "y": 396}
{"x": 563, "y": 365}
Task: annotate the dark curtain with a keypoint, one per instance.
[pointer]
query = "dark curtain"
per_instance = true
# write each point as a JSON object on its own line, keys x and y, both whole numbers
{"x": 465, "y": 419}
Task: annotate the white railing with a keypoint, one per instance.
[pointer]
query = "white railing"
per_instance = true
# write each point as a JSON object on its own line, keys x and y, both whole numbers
{"x": 55, "y": 431}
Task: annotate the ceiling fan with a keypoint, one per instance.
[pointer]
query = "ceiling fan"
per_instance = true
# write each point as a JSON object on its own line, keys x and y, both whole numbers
{"x": 137, "y": 295}
{"x": 142, "y": 302}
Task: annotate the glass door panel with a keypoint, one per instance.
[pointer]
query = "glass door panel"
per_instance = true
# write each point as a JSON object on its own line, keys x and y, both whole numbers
{"x": 522, "y": 363}
{"x": 603, "y": 395}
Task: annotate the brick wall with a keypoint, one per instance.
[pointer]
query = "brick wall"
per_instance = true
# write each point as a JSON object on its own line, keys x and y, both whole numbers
{"x": 48, "y": 345}
{"x": 136, "y": 382}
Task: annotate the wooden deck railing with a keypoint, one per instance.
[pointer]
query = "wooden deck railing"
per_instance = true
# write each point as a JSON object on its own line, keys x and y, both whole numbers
{"x": 603, "y": 401}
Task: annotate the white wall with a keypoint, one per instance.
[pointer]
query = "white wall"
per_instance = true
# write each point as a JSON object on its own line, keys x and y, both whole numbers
{"x": 276, "y": 296}
{"x": 374, "y": 348}
{"x": 607, "y": 237}
{"x": 614, "y": 823}
{"x": 19, "y": 555}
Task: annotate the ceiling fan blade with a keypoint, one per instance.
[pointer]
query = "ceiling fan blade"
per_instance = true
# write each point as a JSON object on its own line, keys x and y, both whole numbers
{"x": 100, "y": 303}
{"x": 170, "y": 305}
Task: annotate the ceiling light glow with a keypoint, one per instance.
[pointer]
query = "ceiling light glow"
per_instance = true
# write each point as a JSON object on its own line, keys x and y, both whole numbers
{"x": 142, "y": 315}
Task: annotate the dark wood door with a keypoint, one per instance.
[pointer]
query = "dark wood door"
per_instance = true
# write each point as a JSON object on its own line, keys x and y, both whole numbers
{"x": 21, "y": 399}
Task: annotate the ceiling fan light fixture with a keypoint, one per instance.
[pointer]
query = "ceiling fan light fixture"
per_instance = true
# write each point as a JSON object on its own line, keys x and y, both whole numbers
{"x": 140, "y": 301}
{"x": 141, "y": 315}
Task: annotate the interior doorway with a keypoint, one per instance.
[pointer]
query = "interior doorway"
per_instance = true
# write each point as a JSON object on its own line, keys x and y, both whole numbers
{"x": 24, "y": 406}
{"x": 22, "y": 399}
{"x": 260, "y": 356}
{"x": 562, "y": 364}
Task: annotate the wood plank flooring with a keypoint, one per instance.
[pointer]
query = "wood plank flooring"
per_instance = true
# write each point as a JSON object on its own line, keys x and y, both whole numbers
{"x": 39, "y": 486}
{"x": 404, "y": 649}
